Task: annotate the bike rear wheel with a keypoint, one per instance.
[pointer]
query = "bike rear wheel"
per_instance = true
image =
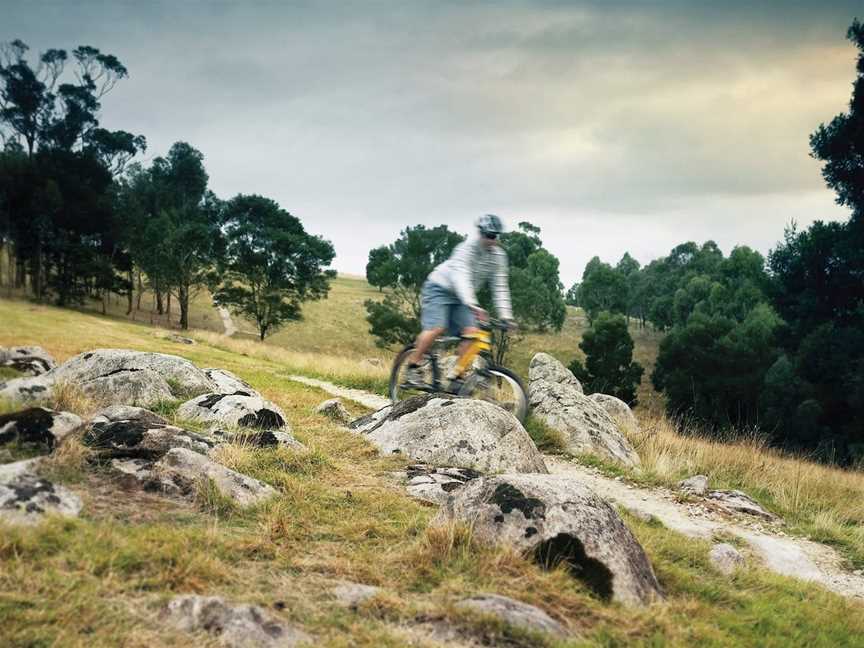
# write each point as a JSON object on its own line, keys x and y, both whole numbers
{"x": 398, "y": 390}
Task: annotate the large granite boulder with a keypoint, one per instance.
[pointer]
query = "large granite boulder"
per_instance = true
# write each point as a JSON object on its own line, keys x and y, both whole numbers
{"x": 618, "y": 410}
{"x": 31, "y": 360}
{"x": 557, "y": 520}
{"x": 181, "y": 374}
{"x": 233, "y": 625}
{"x": 443, "y": 430}
{"x": 544, "y": 367}
{"x": 120, "y": 376}
{"x": 37, "y": 427}
{"x": 25, "y": 497}
{"x": 233, "y": 410}
{"x": 586, "y": 426}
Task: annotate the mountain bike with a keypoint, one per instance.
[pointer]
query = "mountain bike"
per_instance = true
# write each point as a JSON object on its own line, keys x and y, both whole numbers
{"x": 471, "y": 375}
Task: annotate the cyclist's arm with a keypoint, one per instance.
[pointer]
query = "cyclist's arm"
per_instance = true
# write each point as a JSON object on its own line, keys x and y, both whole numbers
{"x": 500, "y": 286}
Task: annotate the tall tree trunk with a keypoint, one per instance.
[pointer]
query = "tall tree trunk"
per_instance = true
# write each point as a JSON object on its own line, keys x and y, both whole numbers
{"x": 140, "y": 290}
{"x": 159, "y": 308}
{"x": 168, "y": 306}
{"x": 36, "y": 272}
{"x": 129, "y": 293}
{"x": 183, "y": 298}
{"x": 20, "y": 273}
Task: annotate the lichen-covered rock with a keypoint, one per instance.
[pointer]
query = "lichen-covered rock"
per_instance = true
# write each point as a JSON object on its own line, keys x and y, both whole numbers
{"x": 37, "y": 426}
{"x": 229, "y": 383}
{"x": 544, "y": 367}
{"x": 187, "y": 469}
{"x": 443, "y": 430}
{"x": 436, "y": 485}
{"x": 725, "y": 558}
{"x": 514, "y": 613}
{"x": 234, "y": 625}
{"x": 114, "y": 413}
{"x": 31, "y": 360}
{"x": 25, "y": 497}
{"x": 334, "y": 410}
{"x": 28, "y": 389}
{"x": 557, "y": 520}
{"x": 618, "y": 410}
{"x": 88, "y": 371}
{"x": 139, "y": 438}
{"x": 233, "y": 410}
{"x": 586, "y": 426}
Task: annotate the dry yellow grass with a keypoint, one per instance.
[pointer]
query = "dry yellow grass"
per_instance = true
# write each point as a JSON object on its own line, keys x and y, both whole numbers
{"x": 101, "y": 580}
{"x": 824, "y": 502}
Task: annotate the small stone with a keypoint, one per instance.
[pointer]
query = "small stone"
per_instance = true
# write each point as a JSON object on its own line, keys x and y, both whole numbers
{"x": 235, "y": 625}
{"x": 334, "y": 410}
{"x": 352, "y": 595}
{"x": 735, "y": 501}
{"x": 725, "y": 558}
{"x": 514, "y": 613}
{"x": 695, "y": 485}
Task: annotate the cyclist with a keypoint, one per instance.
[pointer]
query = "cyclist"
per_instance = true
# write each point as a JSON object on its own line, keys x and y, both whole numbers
{"x": 448, "y": 300}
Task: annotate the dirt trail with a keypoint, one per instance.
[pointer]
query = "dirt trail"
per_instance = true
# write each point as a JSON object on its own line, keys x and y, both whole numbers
{"x": 227, "y": 322}
{"x": 366, "y": 399}
{"x": 790, "y": 556}
{"x": 783, "y": 554}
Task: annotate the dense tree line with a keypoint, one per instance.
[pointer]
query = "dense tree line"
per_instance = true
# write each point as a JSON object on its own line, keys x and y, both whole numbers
{"x": 79, "y": 221}
{"x": 776, "y": 343}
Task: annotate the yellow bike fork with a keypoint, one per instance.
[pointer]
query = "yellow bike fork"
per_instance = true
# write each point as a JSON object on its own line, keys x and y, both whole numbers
{"x": 481, "y": 341}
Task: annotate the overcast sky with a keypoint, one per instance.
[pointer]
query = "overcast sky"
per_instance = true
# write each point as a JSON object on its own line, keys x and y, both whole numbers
{"x": 614, "y": 126}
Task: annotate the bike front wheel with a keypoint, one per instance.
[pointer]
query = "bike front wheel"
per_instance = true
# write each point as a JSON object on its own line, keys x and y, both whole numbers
{"x": 500, "y": 386}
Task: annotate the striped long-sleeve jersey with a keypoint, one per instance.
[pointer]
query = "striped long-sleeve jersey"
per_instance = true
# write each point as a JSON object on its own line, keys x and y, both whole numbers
{"x": 471, "y": 265}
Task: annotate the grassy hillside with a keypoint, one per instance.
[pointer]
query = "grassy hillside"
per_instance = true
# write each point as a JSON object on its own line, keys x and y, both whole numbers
{"x": 337, "y": 327}
{"x": 100, "y": 580}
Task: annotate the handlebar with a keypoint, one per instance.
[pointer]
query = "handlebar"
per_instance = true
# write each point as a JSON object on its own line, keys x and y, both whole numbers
{"x": 494, "y": 323}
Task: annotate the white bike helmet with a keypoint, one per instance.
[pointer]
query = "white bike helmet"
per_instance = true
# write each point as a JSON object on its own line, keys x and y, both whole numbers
{"x": 490, "y": 225}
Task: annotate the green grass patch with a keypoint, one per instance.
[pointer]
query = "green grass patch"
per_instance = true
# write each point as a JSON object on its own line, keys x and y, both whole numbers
{"x": 546, "y": 438}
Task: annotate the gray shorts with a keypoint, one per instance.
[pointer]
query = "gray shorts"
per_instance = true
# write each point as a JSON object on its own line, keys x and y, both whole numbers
{"x": 441, "y": 308}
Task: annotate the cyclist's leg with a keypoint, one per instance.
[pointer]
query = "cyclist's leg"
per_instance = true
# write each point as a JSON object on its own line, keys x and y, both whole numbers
{"x": 463, "y": 321}
{"x": 434, "y": 316}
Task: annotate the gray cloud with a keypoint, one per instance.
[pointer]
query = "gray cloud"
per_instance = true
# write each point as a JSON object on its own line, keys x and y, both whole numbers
{"x": 614, "y": 125}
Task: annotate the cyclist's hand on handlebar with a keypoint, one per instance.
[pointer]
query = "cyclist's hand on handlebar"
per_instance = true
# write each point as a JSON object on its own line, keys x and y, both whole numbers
{"x": 480, "y": 314}
{"x": 511, "y": 324}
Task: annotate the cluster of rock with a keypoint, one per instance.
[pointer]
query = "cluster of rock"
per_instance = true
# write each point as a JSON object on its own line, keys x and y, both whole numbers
{"x": 138, "y": 444}
{"x": 479, "y": 464}
{"x": 590, "y": 424}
